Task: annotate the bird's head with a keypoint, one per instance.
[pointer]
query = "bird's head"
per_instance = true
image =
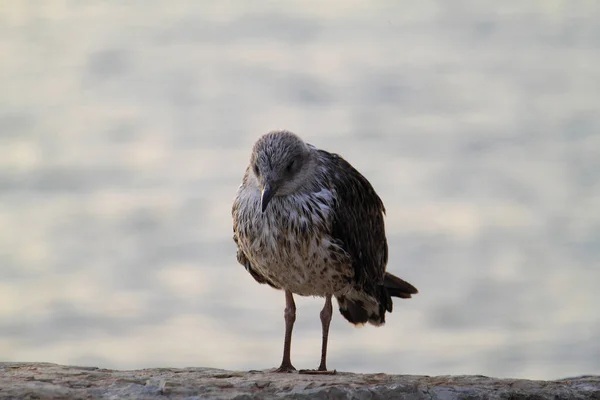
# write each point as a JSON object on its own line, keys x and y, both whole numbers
{"x": 279, "y": 163}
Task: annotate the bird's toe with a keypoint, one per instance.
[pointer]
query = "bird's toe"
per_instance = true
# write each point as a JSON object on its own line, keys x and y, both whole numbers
{"x": 285, "y": 368}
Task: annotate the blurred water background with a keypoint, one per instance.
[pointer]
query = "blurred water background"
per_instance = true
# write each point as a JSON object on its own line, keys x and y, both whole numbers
{"x": 125, "y": 128}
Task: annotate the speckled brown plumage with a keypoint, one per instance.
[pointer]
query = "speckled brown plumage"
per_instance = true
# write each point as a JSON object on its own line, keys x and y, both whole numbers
{"x": 307, "y": 222}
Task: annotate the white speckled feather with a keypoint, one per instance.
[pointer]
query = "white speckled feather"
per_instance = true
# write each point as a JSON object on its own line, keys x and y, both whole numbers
{"x": 308, "y": 264}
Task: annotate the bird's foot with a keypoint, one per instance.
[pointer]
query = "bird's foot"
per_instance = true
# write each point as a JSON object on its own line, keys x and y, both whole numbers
{"x": 285, "y": 368}
{"x": 317, "y": 372}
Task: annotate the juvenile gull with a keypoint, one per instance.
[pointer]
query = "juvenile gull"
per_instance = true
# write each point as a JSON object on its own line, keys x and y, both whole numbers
{"x": 307, "y": 222}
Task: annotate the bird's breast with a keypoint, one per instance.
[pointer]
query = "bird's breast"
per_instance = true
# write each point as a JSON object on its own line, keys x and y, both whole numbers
{"x": 290, "y": 243}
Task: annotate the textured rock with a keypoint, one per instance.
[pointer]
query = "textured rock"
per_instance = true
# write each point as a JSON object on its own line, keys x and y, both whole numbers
{"x": 40, "y": 380}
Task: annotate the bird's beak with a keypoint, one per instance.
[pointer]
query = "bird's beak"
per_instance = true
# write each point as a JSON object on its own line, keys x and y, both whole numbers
{"x": 267, "y": 195}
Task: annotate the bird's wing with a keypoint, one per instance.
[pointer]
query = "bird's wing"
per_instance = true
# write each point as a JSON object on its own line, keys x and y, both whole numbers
{"x": 242, "y": 259}
{"x": 357, "y": 223}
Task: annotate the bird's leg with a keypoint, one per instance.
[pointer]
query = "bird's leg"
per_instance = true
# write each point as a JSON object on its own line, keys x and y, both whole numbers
{"x": 326, "y": 314}
{"x": 290, "y": 317}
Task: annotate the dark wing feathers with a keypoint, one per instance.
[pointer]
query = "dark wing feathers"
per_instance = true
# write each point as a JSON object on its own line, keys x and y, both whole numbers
{"x": 358, "y": 224}
{"x": 398, "y": 287}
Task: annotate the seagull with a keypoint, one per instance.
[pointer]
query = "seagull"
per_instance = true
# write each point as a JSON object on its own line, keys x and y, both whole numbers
{"x": 308, "y": 223}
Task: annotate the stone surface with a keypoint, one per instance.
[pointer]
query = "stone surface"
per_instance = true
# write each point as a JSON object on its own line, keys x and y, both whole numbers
{"x": 42, "y": 380}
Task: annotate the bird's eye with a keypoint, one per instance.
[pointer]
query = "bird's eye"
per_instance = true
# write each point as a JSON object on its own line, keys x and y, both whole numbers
{"x": 290, "y": 166}
{"x": 256, "y": 171}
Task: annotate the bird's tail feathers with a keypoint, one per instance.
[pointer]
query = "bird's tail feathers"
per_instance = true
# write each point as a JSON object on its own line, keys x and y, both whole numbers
{"x": 397, "y": 287}
{"x": 360, "y": 307}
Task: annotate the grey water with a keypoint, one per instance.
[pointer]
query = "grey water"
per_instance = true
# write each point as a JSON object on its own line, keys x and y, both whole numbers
{"x": 125, "y": 128}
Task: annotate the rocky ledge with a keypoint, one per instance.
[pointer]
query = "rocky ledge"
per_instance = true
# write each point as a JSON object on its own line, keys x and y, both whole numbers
{"x": 51, "y": 381}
